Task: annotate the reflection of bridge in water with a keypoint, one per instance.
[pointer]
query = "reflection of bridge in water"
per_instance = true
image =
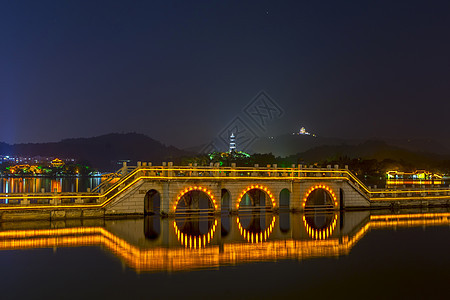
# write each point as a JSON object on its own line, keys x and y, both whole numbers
{"x": 154, "y": 244}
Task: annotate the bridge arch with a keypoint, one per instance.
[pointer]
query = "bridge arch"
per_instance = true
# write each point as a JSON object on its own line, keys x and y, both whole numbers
{"x": 285, "y": 199}
{"x": 152, "y": 202}
{"x": 225, "y": 201}
{"x": 320, "y": 196}
{"x": 256, "y": 196}
{"x": 195, "y": 198}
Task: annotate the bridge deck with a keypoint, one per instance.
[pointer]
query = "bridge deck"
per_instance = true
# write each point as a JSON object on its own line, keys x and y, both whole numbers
{"x": 127, "y": 177}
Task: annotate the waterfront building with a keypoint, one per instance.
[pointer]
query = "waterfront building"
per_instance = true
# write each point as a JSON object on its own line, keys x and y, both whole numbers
{"x": 410, "y": 178}
{"x": 57, "y": 163}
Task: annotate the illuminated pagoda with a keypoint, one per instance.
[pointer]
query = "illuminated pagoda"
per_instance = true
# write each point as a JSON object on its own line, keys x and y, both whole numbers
{"x": 303, "y": 131}
{"x": 224, "y": 158}
{"x": 232, "y": 143}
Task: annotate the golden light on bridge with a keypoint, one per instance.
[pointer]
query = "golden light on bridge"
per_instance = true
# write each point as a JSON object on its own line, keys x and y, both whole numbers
{"x": 196, "y": 242}
{"x": 254, "y": 237}
{"x": 258, "y": 187}
{"x": 323, "y": 233}
{"x": 195, "y": 188}
{"x": 322, "y": 187}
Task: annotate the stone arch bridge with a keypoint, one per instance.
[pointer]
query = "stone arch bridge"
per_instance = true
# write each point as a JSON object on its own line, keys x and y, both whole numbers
{"x": 161, "y": 189}
{"x": 169, "y": 189}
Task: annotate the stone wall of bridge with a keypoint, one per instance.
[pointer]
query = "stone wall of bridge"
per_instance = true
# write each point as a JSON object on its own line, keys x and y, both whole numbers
{"x": 131, "y": 200}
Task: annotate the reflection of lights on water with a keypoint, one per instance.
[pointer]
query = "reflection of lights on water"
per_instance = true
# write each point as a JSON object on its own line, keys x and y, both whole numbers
{"x": 409, "y": 220}
{"x": 253, "y": 237}
{"x": 176, "y": 259}
{"x": 324, "y": 187}
{"x": 56, "y": 185}
{"x": 7, "y": 190}
{"x": 195, "y": 242}
{"x": 259, "y": 187}
{"x": 323, "y": 233}
{"x": 195, "y": 188}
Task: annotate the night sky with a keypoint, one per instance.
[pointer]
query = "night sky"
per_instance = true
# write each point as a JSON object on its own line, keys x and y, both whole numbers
{"x": 180, "y": 71}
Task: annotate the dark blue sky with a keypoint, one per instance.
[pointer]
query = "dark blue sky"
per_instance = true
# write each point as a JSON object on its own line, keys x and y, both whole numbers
{"x": 180, "y": 71}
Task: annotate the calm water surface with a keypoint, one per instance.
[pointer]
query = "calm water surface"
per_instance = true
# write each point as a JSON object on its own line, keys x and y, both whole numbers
{"x": 362, "y": 254}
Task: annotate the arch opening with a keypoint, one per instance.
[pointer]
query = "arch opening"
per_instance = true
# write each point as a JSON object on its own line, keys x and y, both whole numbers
{"x": 195, "y": 200}
{"x": 256, "y": 198}
{"x": 285, "y": 199}
{"x": 225, "y": 201}
{"x": 320, "y": 197}
{"x": 152, "y": 202}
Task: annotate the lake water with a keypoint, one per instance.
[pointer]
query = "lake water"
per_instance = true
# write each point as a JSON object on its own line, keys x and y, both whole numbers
{"x": 35, "y": 184}
{"x": 362, "y": 254}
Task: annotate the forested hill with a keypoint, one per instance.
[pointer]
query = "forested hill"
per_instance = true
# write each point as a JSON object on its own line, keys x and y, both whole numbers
{"x": 101, "y": 152}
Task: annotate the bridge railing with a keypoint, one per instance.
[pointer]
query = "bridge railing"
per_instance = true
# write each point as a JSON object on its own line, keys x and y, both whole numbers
{"x": 237, "y": 172}
{"x": 283, "y": 173}
{"x": 48, "y": 199}
{"x": 94, "y": 197}
{"x": 124, "y": 178}
{"x": 134, "y": 174}
{"x": 410, "y": 193}
{"x": 111, "y": 178}
{"x": 259, "y": 173}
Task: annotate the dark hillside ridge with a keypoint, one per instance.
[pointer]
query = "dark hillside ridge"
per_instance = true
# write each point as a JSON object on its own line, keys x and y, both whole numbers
{"x": 378, "y": 150}
{"x": 288, "y": 144}
{"x": 103, "y": 151}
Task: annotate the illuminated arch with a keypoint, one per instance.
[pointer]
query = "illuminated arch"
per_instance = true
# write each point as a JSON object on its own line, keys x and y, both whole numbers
{"x": 253, "y": 237}
{"x": 321, "y": 187}
{"x": 323, "y": 233}
{"x": 196, "y": 242}
{"x": 258, "y": 187}
{"x": 196, "y": 188}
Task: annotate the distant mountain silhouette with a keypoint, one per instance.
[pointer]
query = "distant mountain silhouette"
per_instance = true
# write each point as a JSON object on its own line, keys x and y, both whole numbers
{"x": 289, "y": 144}
{"x": 285, "y": 145}
{"x": 103, "y": 151}
{"x": 421, "y": 145}
{"x": 379, "y": 150}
